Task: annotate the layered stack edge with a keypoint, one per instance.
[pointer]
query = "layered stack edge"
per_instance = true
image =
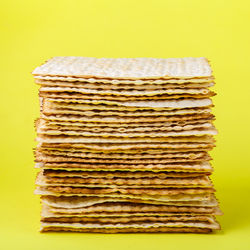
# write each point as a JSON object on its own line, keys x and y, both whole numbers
{"x": 123, "y": 145}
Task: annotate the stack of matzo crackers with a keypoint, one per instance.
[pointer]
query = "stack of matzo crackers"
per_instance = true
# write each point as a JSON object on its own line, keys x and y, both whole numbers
{"x": 123, "y": 145}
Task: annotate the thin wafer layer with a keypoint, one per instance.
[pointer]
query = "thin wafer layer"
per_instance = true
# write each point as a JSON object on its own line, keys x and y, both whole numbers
{"x": 124, "y": 210}
{"x": 189, "y": 155}
{"x": 156, "y": 219}
{"x": 48, "y": 103}
{"x": 203, "y": 181}
{"x": 123, "y": 146}
{"x": 161, "y": 198}
{"x": 79, "y": 139}
{"x": 119, "y": 174}
{"x": 41, "y": 157}
{"x": 81, "y": 133}
{"x": 203, "y": 167}
{"x": 79, "y": 202}
{"x": 128, "y": 93}
{"x": 169, "y": 105}
{"x": 135, "y": 151}
{"x": 58, "y": 228}
{"x": 126, "y": 68}
{"x": 119, "y": 207}
{"x": 127, "y": 215}
{"x": 50, "y": 108}
{"x": 138, "y": 82}
{"x": 122, "y": 126}
{"x": 132, "y": 191}
{"x": 174, "y": 104}
{"x": 127, "y": 119}
{"x": 114, "y": 227}
{"x": 77, "y": 95}
{"x": 169, "y": 84}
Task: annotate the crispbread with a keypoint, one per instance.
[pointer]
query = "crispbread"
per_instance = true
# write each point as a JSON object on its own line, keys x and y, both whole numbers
{"x": 127, "y": 119}
{"x": 92, "y": 110}
{"x": 81, "y": 134}
{"x": 79, "y": 139}
{"x": 126, "y": 68}
{"x": 138, "y": 82}
{"x": 48, "y": 103}
{"x": 53, "y": 228}
{"x": 120, "y": 147}
{"x": 123, "y": 145}
{"x": 43, "y": 126}
{"x": 121, "y": 126}
{"x": 91, "y": 226}
{"x": 203, "y": 181}
{"x": 203, "y": 167}
{"x": 201, "y": 218}
{"x": 189, "y": 155}
{"x": 63, "y": 190}
{"x": 147, "y": 197}
{"x": 118, "y": 174}
{"x": 203, "y": 147}
{"x": 69, "y": 213}
{"x": 101, "y": 98}
{"x": 81, "y": 201}
{"x": 169, "y": 84}
{"x": 128, "y": 93}
{"x": 131, "y": 208}
{"x": 41, "y": 157}
{"x": 174, "y": 104}
{"x": 52, "y": 111}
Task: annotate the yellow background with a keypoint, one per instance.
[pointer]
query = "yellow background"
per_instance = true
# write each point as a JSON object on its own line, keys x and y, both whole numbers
{"x": 33, "y": 31}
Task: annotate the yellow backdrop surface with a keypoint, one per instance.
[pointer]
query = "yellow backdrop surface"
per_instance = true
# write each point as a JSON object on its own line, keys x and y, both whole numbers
{"x": 33, "y": 31}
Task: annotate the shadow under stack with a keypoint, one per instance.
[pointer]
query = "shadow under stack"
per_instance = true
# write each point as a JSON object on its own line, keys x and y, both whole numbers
{"x": 123, "y": 145}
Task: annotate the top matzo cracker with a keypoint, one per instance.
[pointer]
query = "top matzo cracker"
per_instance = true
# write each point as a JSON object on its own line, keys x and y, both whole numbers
{"x": 126, "y": 68}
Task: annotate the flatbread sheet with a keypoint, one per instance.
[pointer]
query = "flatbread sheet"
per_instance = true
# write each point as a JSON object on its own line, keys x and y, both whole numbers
{"x": 45, "y": 191}
{"x": 126, "y": 68}
{"x": 128, "y": 147}
{"x": 119, "y": 174}
{"x": 186, "y": 167}
{"x": 128, "y": 93}
{"x": 174, "y": 104}
{"x": 80, "y": 202}
{"x": 94, "y": 97}
{"x": 120, "y": 85}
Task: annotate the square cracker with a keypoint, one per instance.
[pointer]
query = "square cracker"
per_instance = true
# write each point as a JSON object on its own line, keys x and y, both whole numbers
{"x": 126, "y": 68}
